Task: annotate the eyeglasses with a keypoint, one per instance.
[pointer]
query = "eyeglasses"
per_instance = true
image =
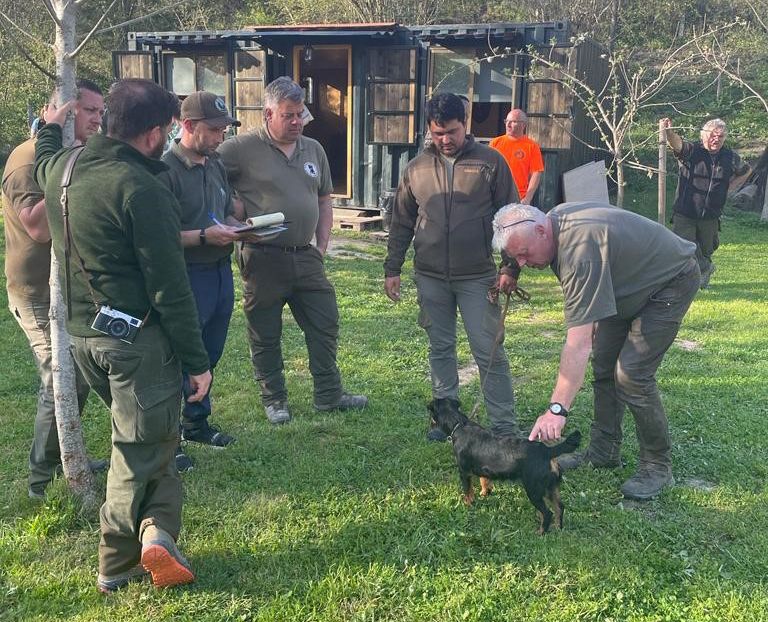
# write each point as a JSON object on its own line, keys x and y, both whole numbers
{"x": 519, "y": 222}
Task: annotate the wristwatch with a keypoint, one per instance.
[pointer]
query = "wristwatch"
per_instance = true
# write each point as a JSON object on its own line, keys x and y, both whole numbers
{"x": 202, "y": 237}
{"x": 558, "y": 409}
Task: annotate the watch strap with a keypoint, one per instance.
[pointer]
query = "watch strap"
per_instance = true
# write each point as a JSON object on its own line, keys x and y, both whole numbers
{"x": 559, "y": 409}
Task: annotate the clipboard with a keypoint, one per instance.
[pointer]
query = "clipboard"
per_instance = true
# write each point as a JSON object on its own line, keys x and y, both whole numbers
{"x": 259, "y": 230}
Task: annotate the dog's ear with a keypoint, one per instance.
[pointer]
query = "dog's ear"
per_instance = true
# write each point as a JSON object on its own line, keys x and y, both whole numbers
{"x": 432, "y": 407}
{"x": 455, "y": 404}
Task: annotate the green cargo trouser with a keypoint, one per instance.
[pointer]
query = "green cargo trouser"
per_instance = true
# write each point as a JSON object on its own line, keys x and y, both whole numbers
{"x": 438, "y": 300}
{"x": 272, "y": 277}
{"x": 141, "y": 383}
{"x": 704, "y": 232}
{"x": 625, "y": 356}
{"x": 44, "y": 456}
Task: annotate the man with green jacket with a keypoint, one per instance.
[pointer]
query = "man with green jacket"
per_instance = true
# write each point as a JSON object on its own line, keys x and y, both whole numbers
{"x": 445, "y": 202}
{"x": 132, "y": 319}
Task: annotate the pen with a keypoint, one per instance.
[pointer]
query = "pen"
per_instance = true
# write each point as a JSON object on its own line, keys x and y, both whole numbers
{"x": 214, "y": 219}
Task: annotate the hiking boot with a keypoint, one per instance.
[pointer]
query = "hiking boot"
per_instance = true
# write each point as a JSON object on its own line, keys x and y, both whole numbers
{"x": 36, "y": 493}
{"x": 111, "y": 583}
{"x": 162, "y": 559}
{"x": 277, "y": 413}
{"x": 647, "y": 482}
{"x": 346, "y": 401}
{"x": 437, "y": 435}
{"x": 183, "y": 462}
{"x": 706, "y": 275}
{"x": 575, "y": 460}
{"x": 207, "y": 434}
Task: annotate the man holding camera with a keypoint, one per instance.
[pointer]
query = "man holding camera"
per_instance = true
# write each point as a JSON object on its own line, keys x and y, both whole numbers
{"x": 132, "y": 318}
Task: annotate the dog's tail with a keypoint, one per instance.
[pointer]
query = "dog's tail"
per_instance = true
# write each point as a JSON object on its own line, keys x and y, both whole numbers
{"x": 567, "y": 446}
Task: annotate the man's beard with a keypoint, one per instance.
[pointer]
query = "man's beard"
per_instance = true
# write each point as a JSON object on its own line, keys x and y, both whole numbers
{"x": 157, "y": 153}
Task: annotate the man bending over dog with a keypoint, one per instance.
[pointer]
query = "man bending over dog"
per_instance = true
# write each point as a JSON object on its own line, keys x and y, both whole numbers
{"x": 448, "y": 196}
{"x": 627, "y": 282}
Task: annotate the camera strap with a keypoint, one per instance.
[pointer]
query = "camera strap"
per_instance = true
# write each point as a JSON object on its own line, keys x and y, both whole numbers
{"x": 69, "y": 244}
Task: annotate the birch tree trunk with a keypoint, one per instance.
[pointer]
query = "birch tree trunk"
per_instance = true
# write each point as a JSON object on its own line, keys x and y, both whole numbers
{"x": 619, "y": 178}
{"x": 74, "y": 460}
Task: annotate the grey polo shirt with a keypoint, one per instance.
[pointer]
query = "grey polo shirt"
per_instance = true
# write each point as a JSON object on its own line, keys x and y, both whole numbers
{"x": 199, "y": 188}
{"x": 609, "y": 261}
{"x": 267, "y": 181}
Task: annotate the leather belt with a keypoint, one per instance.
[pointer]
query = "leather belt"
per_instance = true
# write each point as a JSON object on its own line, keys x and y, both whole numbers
{"x": 276, "y": 247}
{"x": 210, "y": 265}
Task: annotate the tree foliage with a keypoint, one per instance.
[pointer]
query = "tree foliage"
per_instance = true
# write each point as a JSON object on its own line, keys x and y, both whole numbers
{"x": 640, "y": 31}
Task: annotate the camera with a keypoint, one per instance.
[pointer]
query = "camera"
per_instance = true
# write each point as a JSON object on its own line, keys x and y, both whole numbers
{"x": 116, "y": 324}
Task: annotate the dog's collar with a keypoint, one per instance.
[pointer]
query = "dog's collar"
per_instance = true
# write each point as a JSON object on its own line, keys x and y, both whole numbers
{"x": 450, "y": 436}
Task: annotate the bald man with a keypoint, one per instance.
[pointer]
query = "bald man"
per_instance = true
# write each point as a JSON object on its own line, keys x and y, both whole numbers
{"x": 522, "y": 154}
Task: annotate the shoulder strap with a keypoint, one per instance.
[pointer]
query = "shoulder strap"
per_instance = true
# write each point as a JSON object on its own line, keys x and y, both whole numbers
{"x": 69, "y": 244}
{"x": 66, "y": 178}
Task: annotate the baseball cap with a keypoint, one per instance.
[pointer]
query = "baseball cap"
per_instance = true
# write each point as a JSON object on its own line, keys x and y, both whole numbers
{"x": 208, "y": 107}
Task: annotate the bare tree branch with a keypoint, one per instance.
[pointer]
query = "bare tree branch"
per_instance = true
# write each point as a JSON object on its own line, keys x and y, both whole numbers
{"x": 143, "y": 17}
{"x": 632, "y": 85}
{"x": 714, "y": 53}
{"x": 24, "y": 32}
{"x": 757, "y": 14}
{"x": 52, "y": 12}
{"x": 88, "y": 37}
{"x": 24, "y": 53}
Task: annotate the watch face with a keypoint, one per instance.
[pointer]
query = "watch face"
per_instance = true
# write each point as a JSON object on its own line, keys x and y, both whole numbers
{"x": 556, "y": 408}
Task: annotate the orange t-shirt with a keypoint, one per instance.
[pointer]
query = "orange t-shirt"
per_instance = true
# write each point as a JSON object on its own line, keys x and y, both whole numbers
{"x": 523, "y": 156}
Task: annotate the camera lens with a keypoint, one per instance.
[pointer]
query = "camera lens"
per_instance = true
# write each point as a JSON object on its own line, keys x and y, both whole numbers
{"x": 117, "y": 328}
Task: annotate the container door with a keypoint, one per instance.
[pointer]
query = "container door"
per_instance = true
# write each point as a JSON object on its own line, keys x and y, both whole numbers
{"x": 325, "y": 72}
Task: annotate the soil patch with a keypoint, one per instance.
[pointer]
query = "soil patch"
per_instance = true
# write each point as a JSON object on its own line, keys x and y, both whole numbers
{"x": 686, "y": 344}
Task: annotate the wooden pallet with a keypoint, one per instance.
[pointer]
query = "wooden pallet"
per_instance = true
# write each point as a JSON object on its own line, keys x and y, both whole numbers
{"x": 357, "y": 223}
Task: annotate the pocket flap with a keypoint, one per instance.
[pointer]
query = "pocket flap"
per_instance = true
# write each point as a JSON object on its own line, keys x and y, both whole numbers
{"x": 148, "y": 397}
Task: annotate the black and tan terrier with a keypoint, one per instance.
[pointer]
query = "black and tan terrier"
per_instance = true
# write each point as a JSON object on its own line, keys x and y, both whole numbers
{"x": 481, "y": 453}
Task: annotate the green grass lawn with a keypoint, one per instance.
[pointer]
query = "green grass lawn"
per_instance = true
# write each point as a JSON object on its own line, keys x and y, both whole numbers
{"x": 356, "y": 517}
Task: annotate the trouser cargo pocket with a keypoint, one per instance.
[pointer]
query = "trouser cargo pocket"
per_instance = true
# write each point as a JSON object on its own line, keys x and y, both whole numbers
{"x": 157, "y": 415}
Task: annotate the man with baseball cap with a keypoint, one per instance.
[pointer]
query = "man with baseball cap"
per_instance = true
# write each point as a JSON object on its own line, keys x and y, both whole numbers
{"x": 208, "y": 219}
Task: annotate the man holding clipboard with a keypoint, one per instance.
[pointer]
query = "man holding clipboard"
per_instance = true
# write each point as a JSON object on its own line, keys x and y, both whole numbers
{"x": 209, "y": 223}
{"x": 276, "y": 169}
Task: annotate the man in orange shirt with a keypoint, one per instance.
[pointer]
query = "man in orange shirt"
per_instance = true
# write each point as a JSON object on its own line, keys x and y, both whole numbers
{"x": 522, "y": 154}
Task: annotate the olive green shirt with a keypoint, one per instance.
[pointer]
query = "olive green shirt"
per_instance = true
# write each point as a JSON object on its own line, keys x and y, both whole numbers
{"x": 199, "y": 189}
{"x": 610, "y": 261}
{"x": 27, "y": 263}
{"x": 267, "y": 181}
{"x": 125, "y": 226}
